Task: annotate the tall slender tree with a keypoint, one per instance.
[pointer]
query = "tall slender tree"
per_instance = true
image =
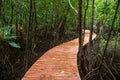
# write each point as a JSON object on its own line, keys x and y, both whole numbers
{"x": 0, "y": 7}
{"x": 84, "y": 17}
{"x": 90, "y": 38}
{"x": 80, "y": 54}
{"x": 12, "y": 8}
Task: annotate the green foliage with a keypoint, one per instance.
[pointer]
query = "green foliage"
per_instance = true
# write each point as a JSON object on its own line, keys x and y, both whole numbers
{"x": 104, "y": 12}
{"x": 53, "y": 18}
{"x": 5, "y": 35}
{"x": 13, "y": 44}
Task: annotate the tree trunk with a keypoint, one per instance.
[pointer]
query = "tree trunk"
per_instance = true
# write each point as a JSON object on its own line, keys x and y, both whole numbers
{"x": 0, "y": 7}
{"x": 84, "y": 22}
{"x": 80, "y": 55}
{"x": 90, "y": 38}
{"x": 11, "y": 21}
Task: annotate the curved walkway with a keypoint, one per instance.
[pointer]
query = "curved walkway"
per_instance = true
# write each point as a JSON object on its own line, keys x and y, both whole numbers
{"x": 59, "y": 63}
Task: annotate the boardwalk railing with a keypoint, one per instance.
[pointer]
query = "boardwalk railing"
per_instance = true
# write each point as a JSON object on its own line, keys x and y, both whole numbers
{"x": 59, "y": 63}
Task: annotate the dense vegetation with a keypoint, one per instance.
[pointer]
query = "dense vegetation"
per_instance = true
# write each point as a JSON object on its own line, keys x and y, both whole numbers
{"x": 100, "y": 60}
{"x": 28, "y": 28}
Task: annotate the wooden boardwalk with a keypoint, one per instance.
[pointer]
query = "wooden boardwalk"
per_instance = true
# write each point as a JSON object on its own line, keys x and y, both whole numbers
{"x": 59, "y": 63}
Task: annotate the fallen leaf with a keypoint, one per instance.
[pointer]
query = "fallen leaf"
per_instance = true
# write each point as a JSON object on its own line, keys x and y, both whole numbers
{"x": 70, "y": 74}
{"x": 62, "y": 72}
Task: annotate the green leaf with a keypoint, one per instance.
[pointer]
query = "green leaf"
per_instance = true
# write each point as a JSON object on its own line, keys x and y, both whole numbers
{"x": 7, "y": 30}
{"x": 8, "y": 37}
{"x": 13, "y": 44}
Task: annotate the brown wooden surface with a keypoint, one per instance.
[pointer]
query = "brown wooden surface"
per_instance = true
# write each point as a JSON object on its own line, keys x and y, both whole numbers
{"x": 59, "y": 63}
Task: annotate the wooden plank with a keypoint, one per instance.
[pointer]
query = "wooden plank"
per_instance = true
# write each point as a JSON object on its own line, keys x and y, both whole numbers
{"x": 59, "y": 63}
